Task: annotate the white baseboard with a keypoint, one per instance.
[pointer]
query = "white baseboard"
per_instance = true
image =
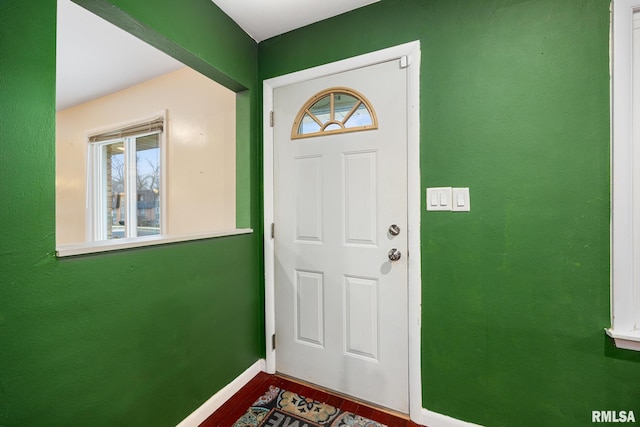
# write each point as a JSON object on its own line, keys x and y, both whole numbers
{"x": 198, "y": 416}
{"x": 434, "y": 419}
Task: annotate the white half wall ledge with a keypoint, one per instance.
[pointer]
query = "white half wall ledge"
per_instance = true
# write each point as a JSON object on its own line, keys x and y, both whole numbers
{"x": 627, "y": 341}
{"x": 139, "y": 242}
{"x": 198, "y": 416}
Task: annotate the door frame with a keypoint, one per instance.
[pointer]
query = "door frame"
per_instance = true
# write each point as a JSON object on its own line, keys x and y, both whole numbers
{"x": 409, "y": 53}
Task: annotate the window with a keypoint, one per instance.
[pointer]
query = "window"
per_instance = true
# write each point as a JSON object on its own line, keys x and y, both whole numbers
{"x": 197, "y": 195}
{"x": 126, "y": 177}
{"x": 334, "y": 110}
{"x": 625, "y": 285}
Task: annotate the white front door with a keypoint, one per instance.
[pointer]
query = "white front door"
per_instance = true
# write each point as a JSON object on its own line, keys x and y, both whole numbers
{"x": 341, "y": 302}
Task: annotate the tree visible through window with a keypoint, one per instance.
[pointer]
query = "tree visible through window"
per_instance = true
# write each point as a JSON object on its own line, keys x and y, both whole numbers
{"x": 127, "y": 178}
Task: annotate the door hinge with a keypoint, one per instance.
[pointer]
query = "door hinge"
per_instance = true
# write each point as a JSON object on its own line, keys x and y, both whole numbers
{"x": 271, "y": 118}
{"x": 273, "y": 230}
{"x": 273, "y": 342}
{"x": 405, "y": 61}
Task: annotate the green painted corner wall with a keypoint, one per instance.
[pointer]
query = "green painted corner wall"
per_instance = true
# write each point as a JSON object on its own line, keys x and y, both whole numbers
{"x": 514, "y": 105}
{"x": 139, "y": 337}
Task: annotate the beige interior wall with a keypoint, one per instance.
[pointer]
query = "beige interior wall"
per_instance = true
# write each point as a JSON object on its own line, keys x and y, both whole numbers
{"x": 200, "y": 141}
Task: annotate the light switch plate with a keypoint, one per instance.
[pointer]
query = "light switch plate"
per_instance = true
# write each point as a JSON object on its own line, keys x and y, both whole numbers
{"x": 460, "y": 201}
{"x": 439, "y": 199}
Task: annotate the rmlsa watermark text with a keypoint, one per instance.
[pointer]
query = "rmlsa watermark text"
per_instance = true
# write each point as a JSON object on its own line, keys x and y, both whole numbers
{"x": 613, "y": 417}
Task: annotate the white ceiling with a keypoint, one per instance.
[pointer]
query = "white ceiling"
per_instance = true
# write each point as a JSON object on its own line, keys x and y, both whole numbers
{"x": 95, "y": 58}
{"x": 264, "y": 19}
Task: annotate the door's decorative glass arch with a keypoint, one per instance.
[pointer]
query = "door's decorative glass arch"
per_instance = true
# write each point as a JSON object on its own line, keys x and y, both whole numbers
{"x": 334, "y": 110}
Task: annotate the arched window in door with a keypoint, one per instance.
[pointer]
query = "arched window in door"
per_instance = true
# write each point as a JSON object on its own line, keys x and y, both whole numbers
{"x": 334, "y": 110}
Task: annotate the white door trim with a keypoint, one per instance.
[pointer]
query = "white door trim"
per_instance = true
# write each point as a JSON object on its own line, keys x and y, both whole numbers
{"x": 411, "y": 51}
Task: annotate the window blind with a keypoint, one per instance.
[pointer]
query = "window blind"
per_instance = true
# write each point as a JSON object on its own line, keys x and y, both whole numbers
{"x": 154, "y": 125}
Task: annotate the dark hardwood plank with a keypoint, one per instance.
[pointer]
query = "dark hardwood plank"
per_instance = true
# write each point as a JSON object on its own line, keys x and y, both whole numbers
{"x": 237, "y": 405}
{"x": 350, "y": 406}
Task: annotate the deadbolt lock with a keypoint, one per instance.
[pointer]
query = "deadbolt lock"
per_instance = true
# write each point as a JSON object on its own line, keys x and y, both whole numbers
{"x": 394, "y": 230}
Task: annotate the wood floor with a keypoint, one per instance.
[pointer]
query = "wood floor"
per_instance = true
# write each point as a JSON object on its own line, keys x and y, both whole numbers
{"x": 235, "y": 407}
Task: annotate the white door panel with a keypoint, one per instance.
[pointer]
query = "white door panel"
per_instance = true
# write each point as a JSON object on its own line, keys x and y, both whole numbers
{"x": 341, "y": 304}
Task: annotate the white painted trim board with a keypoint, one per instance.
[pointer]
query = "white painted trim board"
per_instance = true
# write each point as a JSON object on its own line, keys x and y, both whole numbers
{"x": 434, "y": 419}
{"x": 198, "y": 416}
{"x": 624, "y": 248}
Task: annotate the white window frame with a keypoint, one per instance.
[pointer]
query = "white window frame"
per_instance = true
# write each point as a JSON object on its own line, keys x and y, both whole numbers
{"x": 98, "y": 173}
{"x": 625, "y": 273}
{"x": 96, "y": 180}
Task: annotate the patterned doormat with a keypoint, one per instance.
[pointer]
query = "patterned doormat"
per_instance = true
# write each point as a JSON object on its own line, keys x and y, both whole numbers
{"x": 280, "y": 408}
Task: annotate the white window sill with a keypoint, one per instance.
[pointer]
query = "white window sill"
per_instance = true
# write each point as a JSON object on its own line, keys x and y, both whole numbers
{"x": 629, "y": 340}
{"x": 117, "y": 244}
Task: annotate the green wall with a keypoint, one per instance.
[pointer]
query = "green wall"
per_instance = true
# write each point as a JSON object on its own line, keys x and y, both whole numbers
{"x": 139, "y": 337}
{"x": 514, "y": 105}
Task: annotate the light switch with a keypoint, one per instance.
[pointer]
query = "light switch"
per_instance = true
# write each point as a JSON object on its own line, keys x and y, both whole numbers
{"x": 433, "y": 199}
{"x": 444, "y": 198}
{"x": 439, "y": 199}
{"x": 461, "y": 202}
